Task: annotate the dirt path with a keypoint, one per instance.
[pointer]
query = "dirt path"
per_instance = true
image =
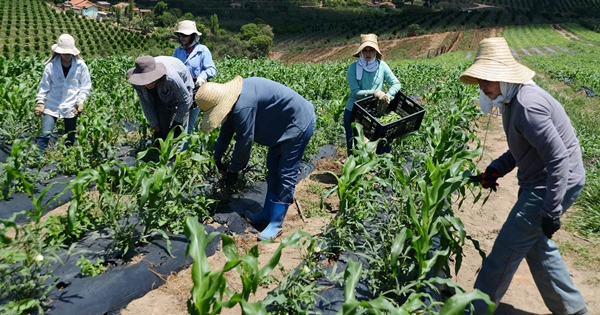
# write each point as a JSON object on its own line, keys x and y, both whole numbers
{"x": 566, "y": 34}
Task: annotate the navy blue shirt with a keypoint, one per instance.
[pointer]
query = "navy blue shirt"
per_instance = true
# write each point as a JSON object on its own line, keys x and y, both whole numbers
{"x": 267, "y": 113}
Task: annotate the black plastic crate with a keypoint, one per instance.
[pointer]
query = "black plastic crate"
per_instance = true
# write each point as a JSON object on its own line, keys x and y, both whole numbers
{"x": 365, "y": 110}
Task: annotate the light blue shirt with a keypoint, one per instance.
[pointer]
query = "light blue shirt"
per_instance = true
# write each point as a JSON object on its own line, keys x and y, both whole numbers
{"x": 370, "y": 82}
{"x": 199, "y": 62}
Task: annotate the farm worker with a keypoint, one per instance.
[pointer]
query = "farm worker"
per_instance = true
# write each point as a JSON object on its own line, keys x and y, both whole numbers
{"x": 365, "y": 78}
{"x": 64, "y": 88}
{"x": 543, "y": 146}
{"x": 268, "y": 113}
{"x": 197, "y": 58}
{"x": 164, "y": 85}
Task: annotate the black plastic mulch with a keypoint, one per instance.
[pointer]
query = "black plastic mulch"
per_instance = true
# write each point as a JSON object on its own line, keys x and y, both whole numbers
{"x": 120, "y": 284}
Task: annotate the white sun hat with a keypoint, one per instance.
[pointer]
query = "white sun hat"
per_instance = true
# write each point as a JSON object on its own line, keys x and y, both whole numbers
{"x": 494, "y": 62}
{"x": 65, "y": 45}
{"x": 216, "y": 101}
{"x": 187, "y": 27}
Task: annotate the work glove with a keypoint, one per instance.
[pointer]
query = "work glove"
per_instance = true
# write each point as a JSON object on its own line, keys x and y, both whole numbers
{"x": 379, "y": 94}
{"x": 199, "y": 82}
{"x": 231, "y": 178}
{"x": 487, "y": 179}
{"x": 38, "y": 110}
{"x": 382, "y": 106}
{"x": 550, "y": 225}
{"x": 78, "y": 108}
{"x": 221, "y": 167}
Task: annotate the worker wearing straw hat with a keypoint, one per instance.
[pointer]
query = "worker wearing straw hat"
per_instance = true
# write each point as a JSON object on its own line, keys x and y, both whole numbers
{"x": 197, "y": 58}
{"x": 365, "y": 78}
{"x": 164, "y": 85}
{"x": 543, "y": 146}
{"x": 268, "y": 113}
{"x": 63, "y": 90}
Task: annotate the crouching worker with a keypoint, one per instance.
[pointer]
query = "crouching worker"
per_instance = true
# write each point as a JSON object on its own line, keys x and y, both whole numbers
{"x": 164, "y": 85}
{"x": 268, "y": 113}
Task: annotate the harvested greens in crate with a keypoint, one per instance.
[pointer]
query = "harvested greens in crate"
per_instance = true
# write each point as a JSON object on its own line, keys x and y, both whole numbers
{"x": 402, "y": 116}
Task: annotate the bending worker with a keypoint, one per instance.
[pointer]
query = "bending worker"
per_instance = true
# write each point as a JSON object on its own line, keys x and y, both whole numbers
{"x": 268, "y": 113}
{"x": 164, "y": 85}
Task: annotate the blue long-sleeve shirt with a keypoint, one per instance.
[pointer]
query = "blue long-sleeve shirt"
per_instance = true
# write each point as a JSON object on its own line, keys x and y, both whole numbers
{"x": 370, "y": 82}
{"x": 175, "y": 90}
{"x": 267, "y": 113}
{"x": 199, "y": 62}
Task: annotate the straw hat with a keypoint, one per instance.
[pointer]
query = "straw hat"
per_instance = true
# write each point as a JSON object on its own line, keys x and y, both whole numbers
{"x": 216, "y": 101}
{"x": 368, "y": 40}
{"x": 494, "y": 62}
{"x": 146, "y": 71}
{"x": 65, "y": 45}
{"x": 187, "y": 27}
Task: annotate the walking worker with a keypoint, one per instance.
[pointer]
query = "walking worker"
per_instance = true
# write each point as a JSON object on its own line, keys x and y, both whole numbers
{"x": 197, "y": 59}
{"x": 365, "y": 78}
{"x": 164, "y": 86}
{"x": 543, "y": 146}
{"x": 268, "y": 113}
{"x": 63, "y": 90}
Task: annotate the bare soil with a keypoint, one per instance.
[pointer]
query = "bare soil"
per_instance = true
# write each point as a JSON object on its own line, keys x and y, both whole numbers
{"x": 481, "y": 221}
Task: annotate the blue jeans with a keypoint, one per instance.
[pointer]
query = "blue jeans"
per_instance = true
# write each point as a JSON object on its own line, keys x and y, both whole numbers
{"x": 283, "y": 163}
{"x": 521, "y": 237}
{"x": 48, "y": 123}
{"x": 382, "y": 147}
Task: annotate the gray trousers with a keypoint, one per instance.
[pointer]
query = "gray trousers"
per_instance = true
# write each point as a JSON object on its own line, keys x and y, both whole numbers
{"x": 521, "y": 237}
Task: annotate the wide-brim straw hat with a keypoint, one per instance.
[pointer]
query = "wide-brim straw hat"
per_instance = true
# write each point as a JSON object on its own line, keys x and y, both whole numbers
{"x": 216, "y": 101}
{"x": 494, "y": 62}
{"x": 369, "y": 40}
{"x": 65, "y": 45}
{"x": 187, "y": 27}
{"x": 146, "y": 71}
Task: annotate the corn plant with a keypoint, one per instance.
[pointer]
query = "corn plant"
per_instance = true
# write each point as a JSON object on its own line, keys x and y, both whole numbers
{"x": 13, "y": 175}
{"x": 210, "y": 292}
{"x": 26, "y": 257}
{"x": 361, "y": 162}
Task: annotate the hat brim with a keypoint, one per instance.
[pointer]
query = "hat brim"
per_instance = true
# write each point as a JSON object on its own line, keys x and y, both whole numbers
{"x": 59, "y": 50}
{"x": 368, "y": 44}
{"x": 229, "y": 93}
{"x": 187, "y": 33}
{"x": 494, "y": 71}
{"x": 137, "y": 78}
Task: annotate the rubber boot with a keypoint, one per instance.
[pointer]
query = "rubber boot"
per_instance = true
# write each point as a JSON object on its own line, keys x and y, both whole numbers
{"x": 273, "y": 230}
{"x": 264, "y": 216}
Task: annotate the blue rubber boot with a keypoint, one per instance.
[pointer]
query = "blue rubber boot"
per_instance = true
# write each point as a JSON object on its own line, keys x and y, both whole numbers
{"x": 264, "y": 216}
{"x": 273, "y": 230}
